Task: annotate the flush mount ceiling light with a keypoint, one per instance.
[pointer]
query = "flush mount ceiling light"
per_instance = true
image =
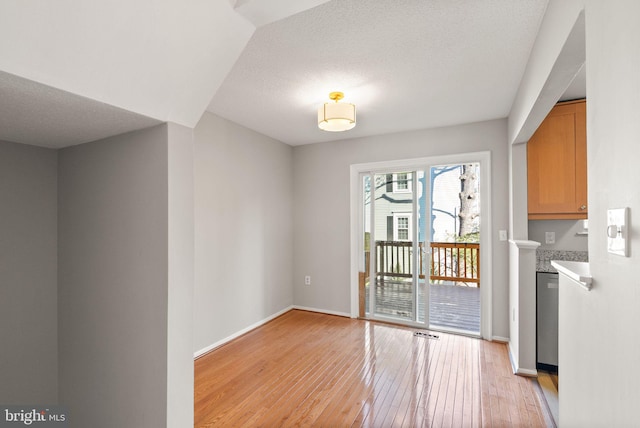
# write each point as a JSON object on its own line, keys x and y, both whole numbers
{"x": 336, "y": 116}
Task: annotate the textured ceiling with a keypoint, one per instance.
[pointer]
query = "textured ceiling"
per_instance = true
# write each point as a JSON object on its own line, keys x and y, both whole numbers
{"x": 32, "y": 113}
{"x": 73, "y": 72}
{"x": 261, "y": 12}
{"x": 406, "y": 64}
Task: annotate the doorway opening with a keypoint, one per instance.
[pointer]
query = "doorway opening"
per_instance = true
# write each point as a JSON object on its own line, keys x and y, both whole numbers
{"x": 420, "y": 228}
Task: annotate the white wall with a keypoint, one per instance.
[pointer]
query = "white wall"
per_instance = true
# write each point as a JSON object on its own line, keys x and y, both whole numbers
{"x": 556, "y": 57}
{"x": 243, "y": 229}
{"x": 322, "y": 207}
{"x": 180, "y": 287}
{"x": 28, "y": 283}
{"x": 599, "y": 358}
{"x": 518, "y": 210}
{"x": 112, "y": 280}
{"x": 522, "y": 306}
{"x": 566, "y": 234}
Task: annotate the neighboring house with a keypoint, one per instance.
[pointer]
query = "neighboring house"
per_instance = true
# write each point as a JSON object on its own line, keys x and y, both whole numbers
{"x": 393, "y": 207}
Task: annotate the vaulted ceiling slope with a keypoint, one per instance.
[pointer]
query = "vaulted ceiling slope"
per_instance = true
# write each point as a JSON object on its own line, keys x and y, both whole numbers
{"x": 407, "y": 64}
{"x": 163, "y": 60}
{"x": 160, "y": 59}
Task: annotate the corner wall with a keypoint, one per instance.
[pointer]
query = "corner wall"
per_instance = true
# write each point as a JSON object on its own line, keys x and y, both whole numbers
{"x": 28, "y": 270}
{"x": 243, "y": 229}
{"x": 112, "y": 280}
{"x": 322, "y": 207}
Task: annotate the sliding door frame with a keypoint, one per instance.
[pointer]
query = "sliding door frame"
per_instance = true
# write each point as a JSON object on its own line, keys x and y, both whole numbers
{"x": 357, "y": 223}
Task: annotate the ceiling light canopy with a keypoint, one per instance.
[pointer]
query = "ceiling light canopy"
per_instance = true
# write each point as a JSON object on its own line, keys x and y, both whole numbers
{"x": 336, "y": 116}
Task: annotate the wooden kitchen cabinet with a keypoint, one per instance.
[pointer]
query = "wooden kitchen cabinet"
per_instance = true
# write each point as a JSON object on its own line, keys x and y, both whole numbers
{"x": 557, "y": 164}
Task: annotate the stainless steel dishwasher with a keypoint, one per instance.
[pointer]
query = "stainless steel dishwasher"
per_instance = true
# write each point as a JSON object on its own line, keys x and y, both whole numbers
{"x": 547, "y": 320}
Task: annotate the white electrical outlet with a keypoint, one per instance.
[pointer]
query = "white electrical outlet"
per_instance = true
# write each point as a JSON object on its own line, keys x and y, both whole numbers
{"x": 550, "y": 237}
{"x": 307, "y": 280}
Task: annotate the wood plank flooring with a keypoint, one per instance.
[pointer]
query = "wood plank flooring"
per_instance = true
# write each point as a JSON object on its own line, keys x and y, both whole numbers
{"x": 307, "y": 369}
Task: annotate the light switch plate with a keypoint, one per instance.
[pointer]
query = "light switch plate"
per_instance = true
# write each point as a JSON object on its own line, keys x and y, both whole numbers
{"x": 617, "y": 231}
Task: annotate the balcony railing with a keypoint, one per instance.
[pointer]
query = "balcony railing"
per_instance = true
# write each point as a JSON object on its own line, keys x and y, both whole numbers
{"x": 449, "y": 261}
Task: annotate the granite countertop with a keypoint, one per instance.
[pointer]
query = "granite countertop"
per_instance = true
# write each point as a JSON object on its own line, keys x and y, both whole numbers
{"x": 544, "y": 257}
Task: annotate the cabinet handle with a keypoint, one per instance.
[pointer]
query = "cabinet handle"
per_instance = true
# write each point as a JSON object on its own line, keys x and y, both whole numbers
{"x": 583, "y": 207}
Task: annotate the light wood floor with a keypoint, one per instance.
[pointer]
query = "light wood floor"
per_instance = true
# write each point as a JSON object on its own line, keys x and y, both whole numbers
{"x": 309, "y": 369}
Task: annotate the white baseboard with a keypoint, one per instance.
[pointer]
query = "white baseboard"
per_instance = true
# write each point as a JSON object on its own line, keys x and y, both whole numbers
{"x": 527, "y": 372}
{"x": 322, "y": 311}
{"x": 213, "y": 346}
{"x": 500, "y": 339}
{"x": 519, "y": 370}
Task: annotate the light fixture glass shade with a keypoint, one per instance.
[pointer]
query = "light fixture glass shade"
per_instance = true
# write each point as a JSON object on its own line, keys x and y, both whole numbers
{"x": 336, "y": 117}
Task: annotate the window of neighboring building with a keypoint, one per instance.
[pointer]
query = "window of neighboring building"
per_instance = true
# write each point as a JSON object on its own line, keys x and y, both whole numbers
{"x": 402, "y": 182}
{"x": 402, "y": 226}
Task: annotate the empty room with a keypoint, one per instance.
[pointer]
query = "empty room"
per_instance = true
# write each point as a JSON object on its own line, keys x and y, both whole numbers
{"x": 319, "y": 213}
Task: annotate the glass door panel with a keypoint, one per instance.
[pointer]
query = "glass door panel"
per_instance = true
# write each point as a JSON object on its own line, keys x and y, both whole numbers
{"x": 454, "y": 293}
{"x": 393, "y": 231}
{"x": 392, "y": 253}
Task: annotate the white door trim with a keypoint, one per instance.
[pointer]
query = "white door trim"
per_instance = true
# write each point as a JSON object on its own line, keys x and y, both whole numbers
{"x": 484, "y": 158}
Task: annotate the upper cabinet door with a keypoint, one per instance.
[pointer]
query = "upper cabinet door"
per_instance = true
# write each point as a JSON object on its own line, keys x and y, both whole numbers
{"x": 557, "y": 164}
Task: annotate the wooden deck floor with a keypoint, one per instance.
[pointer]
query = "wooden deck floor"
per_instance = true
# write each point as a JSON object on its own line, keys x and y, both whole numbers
{"x": 314, "y": 370}
{"x": 450, "y": 306}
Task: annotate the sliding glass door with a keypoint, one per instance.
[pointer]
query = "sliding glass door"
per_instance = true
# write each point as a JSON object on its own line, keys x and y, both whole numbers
{"x": 420, "y": 241}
